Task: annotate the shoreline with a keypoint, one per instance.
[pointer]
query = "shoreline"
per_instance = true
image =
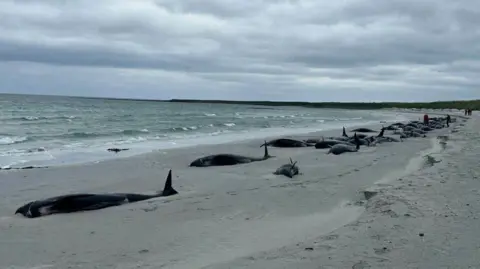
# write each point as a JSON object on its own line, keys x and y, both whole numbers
{"x": 185, "y": 144}
{"x": 60, "y": 158}
{"x": 221, "y": 215}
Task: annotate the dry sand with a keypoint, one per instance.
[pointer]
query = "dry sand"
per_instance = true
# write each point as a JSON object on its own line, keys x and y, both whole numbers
{"x": 245, "y": 217}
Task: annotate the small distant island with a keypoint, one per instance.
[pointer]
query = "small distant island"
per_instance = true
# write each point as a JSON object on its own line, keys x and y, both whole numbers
{"x": 459, "y": 104}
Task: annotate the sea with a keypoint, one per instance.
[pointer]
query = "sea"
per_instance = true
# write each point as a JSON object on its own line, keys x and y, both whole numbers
{"x": 53, "y": 130}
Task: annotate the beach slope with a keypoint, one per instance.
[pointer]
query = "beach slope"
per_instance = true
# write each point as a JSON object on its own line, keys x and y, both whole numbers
{"x": 427, "y": 218}
{"x": 244, "y": 216}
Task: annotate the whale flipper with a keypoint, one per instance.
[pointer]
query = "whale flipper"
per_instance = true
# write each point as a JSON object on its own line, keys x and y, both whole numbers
{"x": 168, "y": 189}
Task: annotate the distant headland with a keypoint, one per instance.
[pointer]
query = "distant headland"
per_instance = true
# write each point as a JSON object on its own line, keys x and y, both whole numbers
{"x": 456, "y": 104}
{"x": 459, "y": 104}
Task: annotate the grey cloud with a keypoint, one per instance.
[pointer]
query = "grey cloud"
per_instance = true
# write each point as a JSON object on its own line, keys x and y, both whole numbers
{"x": 321, "y": 50}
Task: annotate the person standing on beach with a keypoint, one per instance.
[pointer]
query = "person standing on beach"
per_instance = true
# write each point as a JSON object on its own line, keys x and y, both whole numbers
{"x": 466, "y": 112}
{"x": 448, "y": 120}
{"x": 425, "y": 119}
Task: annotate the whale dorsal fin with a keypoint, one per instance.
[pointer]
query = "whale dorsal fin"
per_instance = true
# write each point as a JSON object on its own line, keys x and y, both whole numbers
{"x": 357, "y": 141}
{"x": 381, "y": 132}
{"x": 344, "y": 133}
{"x": 168, "y": 189}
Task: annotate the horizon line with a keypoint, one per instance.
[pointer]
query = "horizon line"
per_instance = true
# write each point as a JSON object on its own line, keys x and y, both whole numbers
{"x": 238, "y": 101}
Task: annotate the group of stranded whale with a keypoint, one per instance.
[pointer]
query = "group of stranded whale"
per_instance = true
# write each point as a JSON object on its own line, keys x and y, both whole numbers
{"x": 336, "y": 145}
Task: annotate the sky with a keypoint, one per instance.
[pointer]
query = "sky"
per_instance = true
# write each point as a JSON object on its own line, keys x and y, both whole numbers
{"x": 280, "y": 50}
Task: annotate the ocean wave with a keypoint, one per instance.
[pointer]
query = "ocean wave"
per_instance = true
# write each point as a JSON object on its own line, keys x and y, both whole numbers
{"x": 134, "y": 132}
{"x": 127, "y": 132}
{"x": 193, "y": 128}
{"x": 81, "y": 135}
{"x": 36, "y": 118}
{"x": 8, "y": 140}
{"x": 21, "y": 152}
{"x": 182, "y": 129}
{"x": 348, "y": 119}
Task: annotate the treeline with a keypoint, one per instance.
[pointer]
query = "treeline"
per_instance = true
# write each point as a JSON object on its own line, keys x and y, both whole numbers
{"x": 463, "y": 104}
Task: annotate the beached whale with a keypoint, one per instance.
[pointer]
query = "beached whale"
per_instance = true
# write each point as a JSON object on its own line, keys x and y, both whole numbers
{"x": 364, "y": 130}
{"x": 414, "y": 134}
{"x": 381, "y": 138}
{"x": 288, "y": 143}
{"x": 313, "y": 140}
{"x": 341, "y": 148}
{"x": 362, "y": 136}
{"x": 228, "y": 159}
{"x": 288, "y": 170}
{"x": 116, "y": 150}
{"x": 344, "y": 136}
{"x": 325, "y": 144}
{"x": 392, "y": 127}
{"x": 357, "y": 140}
{"x": 88, "y": 201}
{"x": 410, "y": 128}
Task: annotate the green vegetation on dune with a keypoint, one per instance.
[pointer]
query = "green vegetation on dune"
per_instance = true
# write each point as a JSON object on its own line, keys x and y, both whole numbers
{"x": 463, "y": 104}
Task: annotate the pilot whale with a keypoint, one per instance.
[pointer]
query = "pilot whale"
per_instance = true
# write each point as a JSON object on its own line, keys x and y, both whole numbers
{"x": 229, "y": 159}
{"x": 288, "y": 170}
{"x": 88, "y": 201}
{"x": 288, "y": 143}
{"x": 364, "y": 130}
{"x": 341, "y": 148}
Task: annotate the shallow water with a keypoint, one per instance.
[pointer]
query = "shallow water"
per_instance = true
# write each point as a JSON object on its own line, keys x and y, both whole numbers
{"x": 45, "y": 130}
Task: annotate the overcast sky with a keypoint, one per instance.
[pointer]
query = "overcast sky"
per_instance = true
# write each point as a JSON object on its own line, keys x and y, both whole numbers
{"x": 310, "y": 50}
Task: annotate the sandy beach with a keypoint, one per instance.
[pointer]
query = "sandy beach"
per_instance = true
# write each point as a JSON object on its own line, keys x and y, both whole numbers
{"x": 244, "y": 216}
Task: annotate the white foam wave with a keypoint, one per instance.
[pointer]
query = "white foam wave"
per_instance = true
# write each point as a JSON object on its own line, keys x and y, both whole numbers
{"x": 30, "y": 118}
{"x": 8, "y": 140}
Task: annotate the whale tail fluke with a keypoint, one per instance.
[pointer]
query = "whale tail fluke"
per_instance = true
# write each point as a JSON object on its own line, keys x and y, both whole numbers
{"x": 266, "y": 155}
{"x": 168, "y": 189}
{"x": 293, "y": 163}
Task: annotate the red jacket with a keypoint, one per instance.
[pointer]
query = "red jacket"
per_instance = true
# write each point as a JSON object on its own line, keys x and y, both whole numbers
{"x": 425, "y": 117}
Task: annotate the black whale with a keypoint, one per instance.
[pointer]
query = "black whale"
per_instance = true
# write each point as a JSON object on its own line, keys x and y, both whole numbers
{"x": 88, "y": 201}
